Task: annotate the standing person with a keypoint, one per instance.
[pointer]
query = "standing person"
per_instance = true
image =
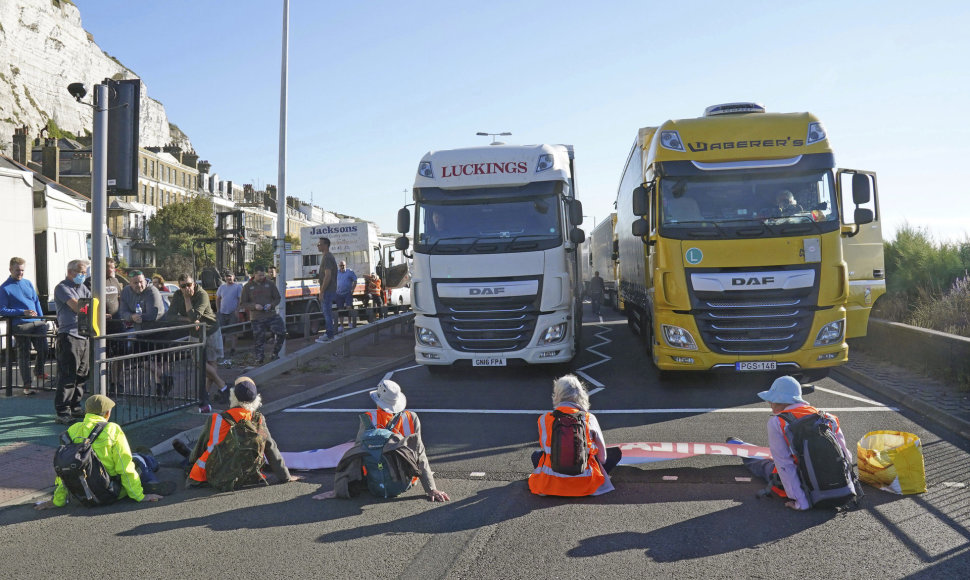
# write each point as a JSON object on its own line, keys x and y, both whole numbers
{"x": 133, "y": 472}
{"x": 260, "y": 298}
{"x": 72, "y": 348}
{"x": 596, "y": 290}
{"x": 328, "y": 286}
{"x": 391, "y": 415}
{"x": 244, "y": 402}
{"x": 113, "y": 288}
{"x": 373, "y": 294}
{"x": 569, "y": 398}
{"x": 227, "y": 305}
{"x": 190, "y": 304}
{"x": 142, "y": 303}
{"x": 346, "y": 283}
{"x": 785, "y": 399}
{"x": 271, "y": 273}
{"x": 20, "y": 303}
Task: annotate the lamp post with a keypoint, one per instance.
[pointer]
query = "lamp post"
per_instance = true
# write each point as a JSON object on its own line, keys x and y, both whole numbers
{"x": 493, "y": 136}
{"x": 281, "y": 192}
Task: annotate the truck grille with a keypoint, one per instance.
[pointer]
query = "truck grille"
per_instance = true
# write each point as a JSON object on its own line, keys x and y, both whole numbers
{"x": 488, "y": 324}
{"x": 755, "y": 322}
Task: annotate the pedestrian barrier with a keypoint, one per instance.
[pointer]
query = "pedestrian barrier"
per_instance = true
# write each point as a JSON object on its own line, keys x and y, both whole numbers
{"x": 152, "y": 372}
{"x": 22, "y": 355}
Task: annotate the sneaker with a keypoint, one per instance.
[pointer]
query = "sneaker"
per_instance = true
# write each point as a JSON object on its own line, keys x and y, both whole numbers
{"x": 226, "y": 364}
{"x": 204, "y": 409}
{"x": 735, "y": 441}
{"x": 28, "y": 392}
{"x": 181, "y": 448}
{"x": 159, "y": 487}
{"x": 77, "y": 413}
{"x": 324, "y": 339}
{"x": 64, "y": 420}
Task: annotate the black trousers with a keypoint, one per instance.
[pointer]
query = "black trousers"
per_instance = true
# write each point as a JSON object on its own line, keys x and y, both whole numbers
{"x": 72, "y": 372}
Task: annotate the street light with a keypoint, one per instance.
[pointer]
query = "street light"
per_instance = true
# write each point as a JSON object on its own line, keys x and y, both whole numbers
{"x": 493, "y": 135}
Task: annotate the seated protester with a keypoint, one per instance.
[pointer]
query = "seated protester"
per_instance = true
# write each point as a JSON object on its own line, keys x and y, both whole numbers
{"x": 244, "y": 403}
{"x": 582, "y": 463}
{"x": 390, "y": 407}
{"x": 134, "y": 471}
{"x": 781, "y": 472}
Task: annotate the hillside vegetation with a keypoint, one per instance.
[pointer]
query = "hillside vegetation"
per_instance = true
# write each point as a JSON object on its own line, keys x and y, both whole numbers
{"x": 927, "y": 282}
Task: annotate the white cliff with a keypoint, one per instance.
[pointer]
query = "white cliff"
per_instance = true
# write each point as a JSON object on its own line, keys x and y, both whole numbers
{"x": 43, "y": 48}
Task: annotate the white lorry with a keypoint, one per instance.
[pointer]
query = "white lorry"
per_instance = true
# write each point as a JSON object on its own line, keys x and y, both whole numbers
{"x": 603, "y": 257}
{"x": 496, "y": 264}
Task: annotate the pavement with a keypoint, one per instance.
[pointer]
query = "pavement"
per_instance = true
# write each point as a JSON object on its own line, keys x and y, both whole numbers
{"x": 28, "y": 433}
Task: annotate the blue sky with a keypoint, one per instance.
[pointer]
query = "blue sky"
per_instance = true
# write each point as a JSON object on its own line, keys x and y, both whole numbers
{"x": 375, "y": 85}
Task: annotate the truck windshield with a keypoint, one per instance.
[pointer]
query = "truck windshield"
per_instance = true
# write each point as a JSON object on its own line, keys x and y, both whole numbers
{"x": 489, "y": 226}
{"x": 770, "y": 204}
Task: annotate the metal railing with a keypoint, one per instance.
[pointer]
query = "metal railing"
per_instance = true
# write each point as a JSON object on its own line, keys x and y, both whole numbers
{"x": 20, "y": 347}
{"x": 152, "y": 372}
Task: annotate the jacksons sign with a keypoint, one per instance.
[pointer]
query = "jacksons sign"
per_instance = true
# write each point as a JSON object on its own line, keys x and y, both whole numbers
{"x": 699, "y": 146}
{"x": 484, "y": 168}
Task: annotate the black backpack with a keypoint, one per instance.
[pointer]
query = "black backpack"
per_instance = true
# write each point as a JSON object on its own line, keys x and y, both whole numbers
{"x": 237, "y": 460}
{"x": 82, "y": 473}
{"x": 825, "y": 472}
{"x": 570, "y": 451}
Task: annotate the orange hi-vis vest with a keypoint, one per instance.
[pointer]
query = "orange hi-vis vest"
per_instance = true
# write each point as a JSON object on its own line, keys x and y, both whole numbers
{"x": 545, "y": 481}
{"x": 404, "y": 426}
{"x": 217, "y": 432}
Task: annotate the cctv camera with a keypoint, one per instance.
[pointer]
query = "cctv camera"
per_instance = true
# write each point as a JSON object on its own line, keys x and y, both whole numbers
{"x": 77, "y": 91}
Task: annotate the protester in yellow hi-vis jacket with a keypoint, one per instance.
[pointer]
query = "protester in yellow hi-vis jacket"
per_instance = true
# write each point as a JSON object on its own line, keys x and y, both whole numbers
{"x": 135, "y": 471}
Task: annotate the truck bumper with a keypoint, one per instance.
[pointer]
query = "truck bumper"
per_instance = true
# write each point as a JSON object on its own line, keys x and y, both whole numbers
{"x": 559, "y": 352}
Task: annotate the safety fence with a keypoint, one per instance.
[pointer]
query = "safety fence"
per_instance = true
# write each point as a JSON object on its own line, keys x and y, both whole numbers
{"x": 28, "y": 356}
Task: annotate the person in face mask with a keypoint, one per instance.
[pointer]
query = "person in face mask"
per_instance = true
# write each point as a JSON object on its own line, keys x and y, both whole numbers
{"x": 72, "y": 348}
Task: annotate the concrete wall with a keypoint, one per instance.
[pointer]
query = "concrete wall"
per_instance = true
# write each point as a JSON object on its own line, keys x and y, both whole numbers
{"x": 928, "y": 351}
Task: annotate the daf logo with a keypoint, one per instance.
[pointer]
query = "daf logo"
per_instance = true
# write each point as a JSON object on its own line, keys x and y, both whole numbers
{"x": 753, "y": 281}
{"x": 485, "y": 291}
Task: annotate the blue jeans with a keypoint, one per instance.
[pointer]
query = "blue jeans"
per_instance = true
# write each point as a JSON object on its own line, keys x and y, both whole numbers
{"x": 146, "y": 466}
{"x": 327, "y": 306}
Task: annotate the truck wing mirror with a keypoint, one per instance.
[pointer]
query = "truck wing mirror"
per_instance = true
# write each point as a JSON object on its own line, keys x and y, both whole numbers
{"x": 576, "y": 213}
{"x": 577, "y": 236}
{"x": 402, "y": 243}
{"x": 641, "y": 201}
{"x": 863, "y": 215}
{"x": 641, "y": 228}
{"x": 860, "y": 189}
{"x": 403, "y": 221}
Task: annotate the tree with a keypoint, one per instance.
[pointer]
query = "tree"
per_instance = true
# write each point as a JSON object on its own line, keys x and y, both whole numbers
{"x": 175, "y": 227}
{"x": 263, "y": 253}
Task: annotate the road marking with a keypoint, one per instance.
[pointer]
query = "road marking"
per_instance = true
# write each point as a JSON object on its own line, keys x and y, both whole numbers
{"x": 334, "y": 399}
{"x": 477, "y": 474}
{"x": 676, "y": 411}
{"x": 848, "y": 396}
{"x": 742, "y": 479}
{"x": 670, "y": 478}
{"x": 953, "y": 484}
{"x": 603, "y": 358}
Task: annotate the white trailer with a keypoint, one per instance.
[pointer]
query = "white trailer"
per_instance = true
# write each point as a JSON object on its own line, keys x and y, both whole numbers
{"x": 16, "y": 224}
{"x": 602, "y": 257}
{"x": 496, "y": 266}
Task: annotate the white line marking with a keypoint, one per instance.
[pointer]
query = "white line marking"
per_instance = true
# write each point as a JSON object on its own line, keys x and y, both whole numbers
{"x": 742, "y": 479}
{"x": 678, "y": 411}
{"x": 848, "y": 396}
{"x": 596, "y": 390}
{"x": 477, "y": 474}
{"x": 953, "y": 484}
{"x": 589, "y": 378}
{"x": 670, "y": 478}
{"x": 334, "y": 398}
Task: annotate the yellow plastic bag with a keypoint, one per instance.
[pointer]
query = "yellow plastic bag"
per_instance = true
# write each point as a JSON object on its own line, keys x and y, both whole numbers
{"x": 892, "y": 461}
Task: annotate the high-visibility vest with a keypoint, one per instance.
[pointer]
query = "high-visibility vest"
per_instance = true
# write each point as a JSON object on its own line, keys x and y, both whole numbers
{"x": 404, "y": 426}
{"x": 373, "y": 285}
{"x": 545, "y": 481}
{"x": 218, "y": 430}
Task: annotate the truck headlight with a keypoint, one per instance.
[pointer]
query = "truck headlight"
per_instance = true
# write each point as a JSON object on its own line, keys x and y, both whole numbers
{"x": 831, "y": 333}
{"x": 677, "y": 337}
{"x": 426, "y": 336}
{"x": 553, "y": 334}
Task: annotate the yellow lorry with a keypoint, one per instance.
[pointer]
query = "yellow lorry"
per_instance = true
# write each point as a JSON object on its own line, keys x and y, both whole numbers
{"x": 742, "y": 247}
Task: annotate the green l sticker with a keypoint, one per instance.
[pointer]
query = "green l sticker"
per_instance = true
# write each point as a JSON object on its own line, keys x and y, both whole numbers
{"x": 694, "y": 256}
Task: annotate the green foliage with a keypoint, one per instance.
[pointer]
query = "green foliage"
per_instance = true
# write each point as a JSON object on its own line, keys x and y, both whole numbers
{"x": 263, "y": 253}
{"x": 56, "y": 132}
{"x": 175, "y": 227}
{"x": 293, "y": 240}
{"x": 921, "y": 277}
